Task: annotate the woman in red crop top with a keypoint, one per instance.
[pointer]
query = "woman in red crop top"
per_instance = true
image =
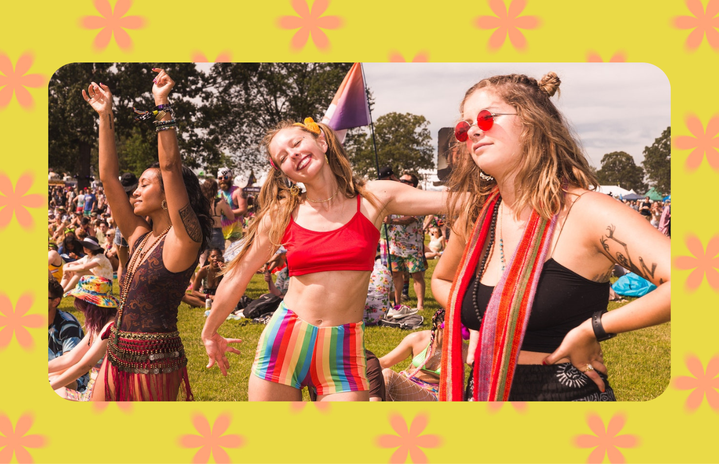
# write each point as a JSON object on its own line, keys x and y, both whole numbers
{"x": 537, "y": 323}
{"x": 331, "y": 233}
{"x": 167, "y": 227}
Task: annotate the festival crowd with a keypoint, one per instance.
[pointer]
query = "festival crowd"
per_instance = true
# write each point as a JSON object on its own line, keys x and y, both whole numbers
{"x": 340, "y": 253}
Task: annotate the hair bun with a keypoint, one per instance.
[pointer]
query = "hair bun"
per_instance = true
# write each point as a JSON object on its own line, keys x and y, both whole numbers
{"x": 550, "y": 83}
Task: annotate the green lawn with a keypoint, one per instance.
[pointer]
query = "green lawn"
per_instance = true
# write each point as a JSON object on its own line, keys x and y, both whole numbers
{"x": 638, "y": 362}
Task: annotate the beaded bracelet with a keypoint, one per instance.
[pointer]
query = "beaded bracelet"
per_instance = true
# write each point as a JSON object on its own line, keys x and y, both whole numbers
{"x": 164, "y": 128}
{"x": 164, "y": 107}
{"x": 164, "y": 123}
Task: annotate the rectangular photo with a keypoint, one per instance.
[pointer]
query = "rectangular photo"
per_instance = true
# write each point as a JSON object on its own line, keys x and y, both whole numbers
{"x": 359, "y": 232}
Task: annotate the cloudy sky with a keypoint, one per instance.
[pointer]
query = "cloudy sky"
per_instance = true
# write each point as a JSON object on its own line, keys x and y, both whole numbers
{"x": 611, "y": 106}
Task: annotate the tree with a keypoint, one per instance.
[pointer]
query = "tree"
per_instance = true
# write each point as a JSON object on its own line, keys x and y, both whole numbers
{"x": 403, "y": 142}
{"x": 245, "y": 99}
{"x": 657, "y": 162}
{"x": 618, "y": 168}
{"x": 73, "y": 124}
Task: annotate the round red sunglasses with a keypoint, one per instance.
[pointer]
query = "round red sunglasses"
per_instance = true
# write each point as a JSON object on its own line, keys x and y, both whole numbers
{"x": 485, "y": 121}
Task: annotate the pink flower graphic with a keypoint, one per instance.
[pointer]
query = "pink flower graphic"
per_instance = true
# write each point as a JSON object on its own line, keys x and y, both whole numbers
{"x": 15, "y": 441}
{"x": 17, "y": 321}
{"x": 606, "y": 442}
{"x": 702, "y": 142}
{"x": 299, "y": 406}
{"x": 496, "y": 406}
{"x": 211, "y": 441}
{"x": 702, "y": 263}
{"x": 100, "y": 406}
{"x": 223, "y": 57}
{"x": 507, "y": 22}
{"x": 409, "y": 440}
{"x": 618, "y": 57}
{"x": 420, "y": 57}
{"x": 702, "y": 22}
{"x": 15, "y": 80}
{"x": 17, "y": 201}
{"x": 112, "y": 23}
{"x": 703, "y": 383}
{"x": 310, "y": 23}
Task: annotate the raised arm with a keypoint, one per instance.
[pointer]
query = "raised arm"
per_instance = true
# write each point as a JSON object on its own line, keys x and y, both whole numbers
{"x": 100, "y": 98}
{"x": 398, "y": 198}
{"x": 184, "y": 239}
{"x": 226, "y": 210}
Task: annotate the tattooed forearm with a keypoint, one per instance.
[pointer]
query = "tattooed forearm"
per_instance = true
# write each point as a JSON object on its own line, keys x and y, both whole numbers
{"x": 623, "y": 258}
{"x": 192, "y": 225}
{"x": 110, "y": 121}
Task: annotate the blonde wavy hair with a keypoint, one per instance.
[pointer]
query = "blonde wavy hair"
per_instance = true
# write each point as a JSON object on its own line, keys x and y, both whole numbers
{"x": 551, "y": 158}
{"x": 276, "y": 199}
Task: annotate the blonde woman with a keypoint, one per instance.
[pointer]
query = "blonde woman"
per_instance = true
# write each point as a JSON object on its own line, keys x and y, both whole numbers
{"x": 331, "y": 233}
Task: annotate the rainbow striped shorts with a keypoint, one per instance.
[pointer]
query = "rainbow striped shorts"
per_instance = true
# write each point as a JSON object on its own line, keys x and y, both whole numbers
{"x": 295, "y": 353}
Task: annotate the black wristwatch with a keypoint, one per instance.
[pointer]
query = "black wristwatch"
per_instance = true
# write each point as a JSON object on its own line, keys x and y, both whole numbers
{"x": 599, "y": 331}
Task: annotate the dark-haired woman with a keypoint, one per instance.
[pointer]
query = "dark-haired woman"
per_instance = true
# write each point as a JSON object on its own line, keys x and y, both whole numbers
{"x": 331, "y": 233}
{"x": 420, "y": 381}
{"x": 70, "y": 248}
{"x": 93, "y": 297}
{"x": 167, "y": 226}
{"x": 529, "y": 262}
{"x": 93, "y": 263}
{"x": 218, "y": 208}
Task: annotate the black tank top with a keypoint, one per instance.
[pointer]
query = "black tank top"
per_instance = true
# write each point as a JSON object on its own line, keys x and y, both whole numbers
{"x": 564, "y": 300}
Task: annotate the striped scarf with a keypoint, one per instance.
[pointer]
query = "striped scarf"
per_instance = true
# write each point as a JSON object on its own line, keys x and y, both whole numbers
{"x": 505, "y": 320}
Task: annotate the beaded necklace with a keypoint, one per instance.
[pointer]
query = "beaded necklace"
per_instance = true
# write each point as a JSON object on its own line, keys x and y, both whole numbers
{"x": 485, "y": 259}
{"x": 131, "y": 268}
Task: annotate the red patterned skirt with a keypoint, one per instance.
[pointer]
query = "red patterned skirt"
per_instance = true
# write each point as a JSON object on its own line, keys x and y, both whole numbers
{"x": 145, "y": 367}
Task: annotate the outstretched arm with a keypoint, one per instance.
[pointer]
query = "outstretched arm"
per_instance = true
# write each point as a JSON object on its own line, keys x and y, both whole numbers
{"x": 100, "y": 98}
{"x": 185, "y": 238}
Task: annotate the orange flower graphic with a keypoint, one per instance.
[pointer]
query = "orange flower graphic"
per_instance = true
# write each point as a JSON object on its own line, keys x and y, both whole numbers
{"x": 496, "y": 406}
{"x": 15, "y": 441}
{"x": 618, "y": 57}
{"x": 409, "y": 440}
{"x": 211, "y": 441}
{"x": 17, "y": 321}
{"x": 15, "y": 80}
{"x": 420, "y": 57}
{"x": 310, "y": 23}
{"x": 703, "y": 383}
{"x": 223, "y": 57}
{"x": 507, "y": 22}
{"x": 702, "y": 263}
{"x": 16, "y": 201}
{"x": 110, "y": 23}
{"x": 702, "y": 22}
{"x": 100, "y": 406}
{"x": 299, "y": 406}
{"x": 606, "y": 442}
{"x": 702, "y": 142}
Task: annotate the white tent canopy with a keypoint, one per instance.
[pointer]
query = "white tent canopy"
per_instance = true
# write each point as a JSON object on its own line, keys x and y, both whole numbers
{"x": 614, "y": 190}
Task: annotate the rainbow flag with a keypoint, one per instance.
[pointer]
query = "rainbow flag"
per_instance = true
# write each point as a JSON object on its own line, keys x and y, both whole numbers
{"x": 349, "y": 107}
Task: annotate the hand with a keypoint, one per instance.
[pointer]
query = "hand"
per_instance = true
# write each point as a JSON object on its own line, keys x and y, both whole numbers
{"x": 99, "y": 97}
{"x": 217, "y": 348}
{"x": 268, "y": 277}
{"x": 583, "y": 350}
{"x": 162, "y": 86}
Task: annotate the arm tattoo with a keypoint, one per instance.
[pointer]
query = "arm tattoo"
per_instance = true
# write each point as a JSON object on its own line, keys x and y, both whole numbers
{"x": 110, "y": 121}
{"x": 623, "y": 258}
{"x": 604, "y": 277}
{"x": 192, "y": 225}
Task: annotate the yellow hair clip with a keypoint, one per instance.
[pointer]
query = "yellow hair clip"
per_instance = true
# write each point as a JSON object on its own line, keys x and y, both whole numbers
{"x": 310, "y": 125}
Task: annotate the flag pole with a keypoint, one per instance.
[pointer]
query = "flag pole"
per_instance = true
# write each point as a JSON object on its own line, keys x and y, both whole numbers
{"x": 371, "y": 124}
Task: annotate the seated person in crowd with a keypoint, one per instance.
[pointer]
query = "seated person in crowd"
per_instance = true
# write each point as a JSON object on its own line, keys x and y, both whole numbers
{"x": 278, "y": 264}
{"x": 206, "y": 280}
{"x": 436, "y": 244}
{"x": 94, "y": 263}
{"x": 54, "y": 262}
{"x": 63, "y": 329}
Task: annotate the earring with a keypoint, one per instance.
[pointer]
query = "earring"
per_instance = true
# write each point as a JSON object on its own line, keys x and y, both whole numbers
{"x": 294, "y": 190}
{"x": 327, "y": 159}
{"x": 484, "y": 176}
{"x": 164, "y": 204}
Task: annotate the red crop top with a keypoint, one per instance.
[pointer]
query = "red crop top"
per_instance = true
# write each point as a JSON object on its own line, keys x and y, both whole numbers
{"x": 352, "y": 247}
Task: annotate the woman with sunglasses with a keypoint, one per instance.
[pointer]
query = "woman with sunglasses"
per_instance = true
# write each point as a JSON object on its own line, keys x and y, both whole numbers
{"x": 331, "y": 234}
{"x": 529, "y": 264}
{"x": 167, "y": 226}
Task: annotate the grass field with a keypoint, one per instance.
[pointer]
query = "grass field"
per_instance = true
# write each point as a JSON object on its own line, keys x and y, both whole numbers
{"x": 638, "y": 362}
